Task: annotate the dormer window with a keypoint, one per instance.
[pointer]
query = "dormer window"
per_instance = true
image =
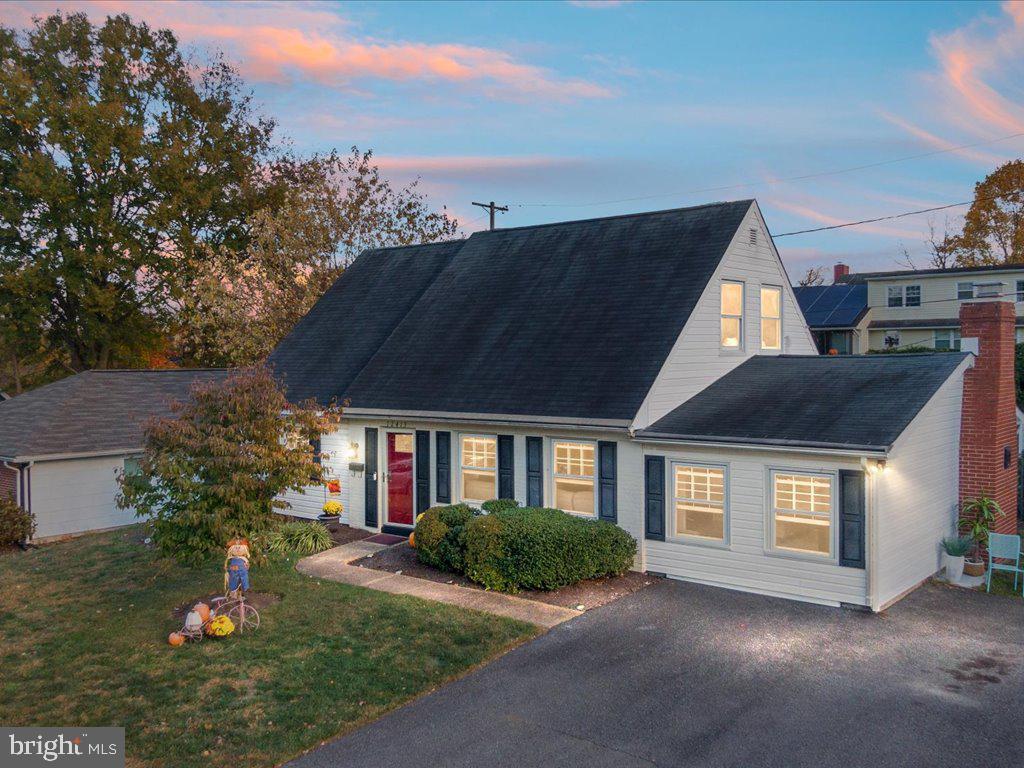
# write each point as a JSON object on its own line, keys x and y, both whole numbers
{"x": 904, "y": 296}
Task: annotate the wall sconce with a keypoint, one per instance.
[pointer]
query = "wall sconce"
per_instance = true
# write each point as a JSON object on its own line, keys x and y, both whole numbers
{"x": 879, "y": 467}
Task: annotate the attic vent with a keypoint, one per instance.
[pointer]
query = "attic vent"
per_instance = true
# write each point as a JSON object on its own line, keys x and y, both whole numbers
{"x": 752, "y": 236}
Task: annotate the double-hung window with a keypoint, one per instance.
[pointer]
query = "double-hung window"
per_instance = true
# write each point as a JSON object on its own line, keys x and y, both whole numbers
{"x": 732, "y": 315}
{"x": 574, "y": 476}
{"x": 699, "y": 499}
{"x": 802, "y": 513}
{"x": 1020, "y": 291}
{"x": 947, "y": 340}
{"x": 904, "y": 295}
{"x": 965, "y": 291}
{"x": 771, "y": 318}
{"x": 479, "y": 467}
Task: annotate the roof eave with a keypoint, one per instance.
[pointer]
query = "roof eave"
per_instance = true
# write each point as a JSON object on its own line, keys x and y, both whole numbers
{"x": 25, "y": 458}
{"x": 490, "y": 418}
{"x": 753, "y": 443}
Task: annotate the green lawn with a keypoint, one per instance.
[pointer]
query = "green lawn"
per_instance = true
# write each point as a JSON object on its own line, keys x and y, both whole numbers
{"x": 83, "y": 628}
{"x": 1002, "y": 584}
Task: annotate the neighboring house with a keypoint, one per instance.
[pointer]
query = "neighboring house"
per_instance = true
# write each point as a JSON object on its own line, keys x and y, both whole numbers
{"x": 655, "y": 371}
{"x": 921, "y": 307}
{"x": 837, "y": 314}
{"x": 64, "y": 445}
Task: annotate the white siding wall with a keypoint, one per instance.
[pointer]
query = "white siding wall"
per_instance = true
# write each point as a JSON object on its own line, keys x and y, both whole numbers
{"x": 310, "y": 502}
{"x": 745, "y": 562}
{"x": 916, "y": 496}
{"x": 77, "y": 495}
{"x": 697, "y": 359}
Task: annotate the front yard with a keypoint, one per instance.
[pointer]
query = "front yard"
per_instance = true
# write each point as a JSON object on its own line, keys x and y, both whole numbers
{"x": 84, "y": 626}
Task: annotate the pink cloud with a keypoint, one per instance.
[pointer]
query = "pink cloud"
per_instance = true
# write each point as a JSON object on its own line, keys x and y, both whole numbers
{"x": 286, "y": 42}
{"x": 471, "y": 166}
{"x": 984, "y": 158}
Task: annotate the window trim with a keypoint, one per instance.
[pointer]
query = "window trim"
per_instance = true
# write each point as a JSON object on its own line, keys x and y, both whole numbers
{"x": 761, "y": 317}
{"x": 970, "y": 286}
{"x": 903, "y": 296}
{"x": 1019, "y": 285}
{"x": 461, "y": 487}
{"x": 954, "y": 339}
{"x": 741, "y": 347}
{"x": 769, "y": 535}
{"x": 670, "y": 498}
{"x": 554, "y": 441}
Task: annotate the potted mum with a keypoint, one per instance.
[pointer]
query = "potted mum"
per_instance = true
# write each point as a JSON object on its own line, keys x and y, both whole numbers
{"x": 954, "y": 548}
{"x": 331, "y": 512}
{"x": 976, "y": 520}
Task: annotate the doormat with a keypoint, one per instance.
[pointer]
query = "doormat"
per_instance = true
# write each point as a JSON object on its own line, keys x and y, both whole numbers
{"x": 386, "y": 538}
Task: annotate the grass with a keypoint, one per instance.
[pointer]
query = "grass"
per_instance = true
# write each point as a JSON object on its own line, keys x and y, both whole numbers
{"x": 1002, "y": 584}
{"x": 85, "y": 623}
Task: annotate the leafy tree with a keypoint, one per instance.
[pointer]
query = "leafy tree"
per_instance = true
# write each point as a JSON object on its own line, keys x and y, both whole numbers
{"x": 993, "y": 231}
{"x": 213, "y": 470}
{"x": 122, "y": 165}
{"x": 242, "y": 305}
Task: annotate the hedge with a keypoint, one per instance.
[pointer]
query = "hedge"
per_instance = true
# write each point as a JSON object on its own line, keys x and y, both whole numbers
{"x": 514, "y": 548}
{"x": 16, "y": 525}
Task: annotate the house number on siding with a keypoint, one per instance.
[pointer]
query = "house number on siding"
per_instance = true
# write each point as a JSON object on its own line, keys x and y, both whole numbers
{"x": 396, "y": 424}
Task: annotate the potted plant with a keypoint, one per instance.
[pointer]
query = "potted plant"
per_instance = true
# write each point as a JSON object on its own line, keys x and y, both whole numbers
{"x": 331, "y": 512}
{"x": 976, "y": 519}
{"x": 953, "y": 550}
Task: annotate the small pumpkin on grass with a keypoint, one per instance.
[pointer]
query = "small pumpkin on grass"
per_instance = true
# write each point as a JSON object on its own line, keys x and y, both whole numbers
{"x": 176, "y": 639}
{"x": 412, "y": 539}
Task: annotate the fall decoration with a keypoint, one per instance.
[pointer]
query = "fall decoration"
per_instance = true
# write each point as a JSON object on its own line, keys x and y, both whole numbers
{"x": 220, "y": 626}
{"x": 333, "y": 508}
{"x": 203, "y": 610}
{"x": 412, "y": 539}
{"x": 176, "y": 639}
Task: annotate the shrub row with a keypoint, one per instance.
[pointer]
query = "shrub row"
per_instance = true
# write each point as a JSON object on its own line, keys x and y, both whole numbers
{"x": 513, "y": 548}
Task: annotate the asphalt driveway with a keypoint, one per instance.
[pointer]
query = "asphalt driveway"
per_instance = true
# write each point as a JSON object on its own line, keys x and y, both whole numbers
{"x": 680, "y": 674}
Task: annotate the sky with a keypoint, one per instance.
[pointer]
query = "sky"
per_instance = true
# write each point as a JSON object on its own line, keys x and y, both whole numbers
{"x": 573, "y": 110}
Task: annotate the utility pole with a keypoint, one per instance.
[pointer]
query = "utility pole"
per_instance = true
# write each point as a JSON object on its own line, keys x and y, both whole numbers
{"x": 491, "y": 207}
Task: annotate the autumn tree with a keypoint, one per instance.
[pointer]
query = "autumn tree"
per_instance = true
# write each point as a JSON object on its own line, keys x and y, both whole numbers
{"x": 242, "y": 304}
{"x": 993, "y": 230}
{"x": 212, "y": 470}
{"x": 123, "y": 164}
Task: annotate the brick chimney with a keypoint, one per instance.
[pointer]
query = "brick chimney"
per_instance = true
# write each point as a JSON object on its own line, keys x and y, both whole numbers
{"x": 839, "y": 271}
{"x": 988, "y": 425}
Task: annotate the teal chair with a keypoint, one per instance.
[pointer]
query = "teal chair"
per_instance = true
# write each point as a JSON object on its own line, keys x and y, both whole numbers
{"x": 1002, "y": 546}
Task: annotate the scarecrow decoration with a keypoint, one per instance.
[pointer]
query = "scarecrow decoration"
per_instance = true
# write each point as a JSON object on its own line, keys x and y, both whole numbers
{"x": 236, "y": 568}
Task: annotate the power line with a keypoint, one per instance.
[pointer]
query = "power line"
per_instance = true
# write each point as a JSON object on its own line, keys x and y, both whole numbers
{"x": 769, "y": 182}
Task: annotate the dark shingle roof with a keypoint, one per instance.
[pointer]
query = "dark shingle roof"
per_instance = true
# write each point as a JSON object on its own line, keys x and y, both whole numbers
{"x": 563, "y": 320}
{"x": 92, "y": 412}
{"x": 832, "y": 306}
{"x": 851, "y": 402}
{"x": 331, "y": 344}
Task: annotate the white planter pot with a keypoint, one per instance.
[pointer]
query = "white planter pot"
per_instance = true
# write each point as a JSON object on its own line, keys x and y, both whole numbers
{"x": 954, "y": 566}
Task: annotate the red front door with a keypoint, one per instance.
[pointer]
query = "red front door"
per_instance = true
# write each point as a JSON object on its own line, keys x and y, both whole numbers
{"x": 399, "y": 477}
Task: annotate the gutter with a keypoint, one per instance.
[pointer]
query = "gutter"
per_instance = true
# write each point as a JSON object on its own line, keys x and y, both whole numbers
{"x": 72, "y": 455}
{"x": 830, "y": 449}
{"x": 489, "y": 418}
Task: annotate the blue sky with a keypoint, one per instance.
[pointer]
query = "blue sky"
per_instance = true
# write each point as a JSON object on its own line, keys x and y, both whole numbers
{"x": 558, "y": 108}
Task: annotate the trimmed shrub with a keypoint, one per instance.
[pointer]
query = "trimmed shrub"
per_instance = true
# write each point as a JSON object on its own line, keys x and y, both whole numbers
{"x": 16, "y": 525}
{"x": 499, "y": 505}
{"x": 297, "y": 536}
{"x": 539, "y": 548}
{"x": 441, "y": 537}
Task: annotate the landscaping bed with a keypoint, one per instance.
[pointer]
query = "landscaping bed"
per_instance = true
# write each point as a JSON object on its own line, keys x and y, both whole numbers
{"x": 590, "y": 593}
{"x": 85, "y": 624}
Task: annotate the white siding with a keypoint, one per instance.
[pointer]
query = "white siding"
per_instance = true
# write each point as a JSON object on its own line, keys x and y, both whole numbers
{"x": 916, "y": 495}
{"x": 745, "y": 563}
{"x": 697, "y": 359}
{"x": 310, "y": 502}
{"x": 77, "y": 495}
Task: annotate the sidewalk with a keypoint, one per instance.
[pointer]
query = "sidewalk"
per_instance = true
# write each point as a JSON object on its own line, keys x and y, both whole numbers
{"x": 333, "y": 565}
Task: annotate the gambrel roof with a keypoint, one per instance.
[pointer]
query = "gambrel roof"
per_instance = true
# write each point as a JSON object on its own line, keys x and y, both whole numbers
{"x": 573, "y": 319}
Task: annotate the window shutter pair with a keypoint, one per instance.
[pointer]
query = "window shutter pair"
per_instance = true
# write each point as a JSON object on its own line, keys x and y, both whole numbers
{"x": 607, "y": 477}
{"x": 852, "y": 518}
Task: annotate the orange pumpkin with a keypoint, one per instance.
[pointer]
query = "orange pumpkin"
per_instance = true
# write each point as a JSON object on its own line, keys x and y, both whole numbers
{"x": 412, "y": 540}
{"x": 176, "y": 639}
{"x": 203, "y": 610}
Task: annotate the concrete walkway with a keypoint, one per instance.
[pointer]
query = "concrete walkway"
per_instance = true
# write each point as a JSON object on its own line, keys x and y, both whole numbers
{"x": 333, "y": 565}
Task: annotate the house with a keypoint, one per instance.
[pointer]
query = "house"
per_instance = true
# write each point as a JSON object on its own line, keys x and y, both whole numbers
{"x": 655, "y": 371}
{"x": 912, "y": 308}
{"x": 836, "y": 314}
{"x": 64, "y": 445}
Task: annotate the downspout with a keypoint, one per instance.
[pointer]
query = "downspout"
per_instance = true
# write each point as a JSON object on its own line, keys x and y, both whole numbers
{"x": 871, "y": 574}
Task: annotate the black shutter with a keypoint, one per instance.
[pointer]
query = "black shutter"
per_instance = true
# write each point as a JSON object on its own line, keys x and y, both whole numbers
{"x": 535, "y": 471}
{"x": 444, "y": 466}
{"x": 371, "y": 477}
{"x": 506, "y": 476}
{"x": 852, "y": 524}
{"x": 654, "y": 497}
{"x": 607, "y": 472}
{"x": 422, "y": 470}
